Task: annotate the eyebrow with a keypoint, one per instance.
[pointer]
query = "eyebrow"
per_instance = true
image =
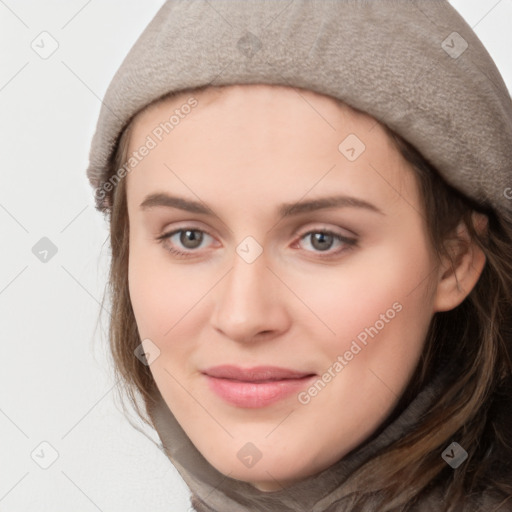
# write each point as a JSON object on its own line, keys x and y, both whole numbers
{"x": 160, "y": 199}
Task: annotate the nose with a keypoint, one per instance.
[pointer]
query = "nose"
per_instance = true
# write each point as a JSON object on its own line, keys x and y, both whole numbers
{"x": 250, "y": 302}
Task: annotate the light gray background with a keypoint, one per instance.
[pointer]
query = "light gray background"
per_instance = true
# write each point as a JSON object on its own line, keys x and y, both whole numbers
{"x": 56, "y": 385}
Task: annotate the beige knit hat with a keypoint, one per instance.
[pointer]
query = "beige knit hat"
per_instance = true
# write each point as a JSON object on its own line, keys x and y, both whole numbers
{"x": 413, "y": 65}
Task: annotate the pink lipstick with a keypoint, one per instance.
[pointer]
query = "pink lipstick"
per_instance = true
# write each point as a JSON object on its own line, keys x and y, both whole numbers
{"x": 257, "y": 386}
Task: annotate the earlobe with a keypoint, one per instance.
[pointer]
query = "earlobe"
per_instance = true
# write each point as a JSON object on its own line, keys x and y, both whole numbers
{"x": 459, "y": 274}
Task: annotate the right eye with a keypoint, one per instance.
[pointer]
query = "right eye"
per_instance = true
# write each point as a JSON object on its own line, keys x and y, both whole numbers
{"x": 188, "y": 236}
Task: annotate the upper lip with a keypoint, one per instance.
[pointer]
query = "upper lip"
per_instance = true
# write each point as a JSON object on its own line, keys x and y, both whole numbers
{"x": 256, "y": 373}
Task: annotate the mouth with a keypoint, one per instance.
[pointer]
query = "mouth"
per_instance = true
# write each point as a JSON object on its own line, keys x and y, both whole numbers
{"x": 255, "y": 387}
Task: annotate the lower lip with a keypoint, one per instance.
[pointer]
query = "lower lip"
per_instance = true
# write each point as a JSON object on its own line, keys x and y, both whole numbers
{"x": 252, "y": 395}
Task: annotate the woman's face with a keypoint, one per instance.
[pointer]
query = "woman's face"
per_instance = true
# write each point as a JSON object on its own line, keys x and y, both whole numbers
{"x": 259, "y": 284}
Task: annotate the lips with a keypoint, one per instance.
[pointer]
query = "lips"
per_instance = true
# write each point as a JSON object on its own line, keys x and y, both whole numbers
{"x": 255, "y": 387}
{"x": 255, "y": 374}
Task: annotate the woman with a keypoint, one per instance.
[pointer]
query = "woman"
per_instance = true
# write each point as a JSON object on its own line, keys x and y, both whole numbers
{"x": 311, "y": 274}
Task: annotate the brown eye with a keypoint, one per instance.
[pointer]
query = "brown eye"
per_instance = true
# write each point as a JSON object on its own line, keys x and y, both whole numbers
{"x": 190, "y": 238}
{"x": 183, "y": 242}
{"x": 323, "y": 240}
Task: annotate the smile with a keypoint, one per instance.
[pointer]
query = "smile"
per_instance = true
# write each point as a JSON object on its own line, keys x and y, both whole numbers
{"x": 255, "y": 387}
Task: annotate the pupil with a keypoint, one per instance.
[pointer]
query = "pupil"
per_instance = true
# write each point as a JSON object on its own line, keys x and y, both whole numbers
{"x": 321, "y": 237}
{"x": 191, "y": 236}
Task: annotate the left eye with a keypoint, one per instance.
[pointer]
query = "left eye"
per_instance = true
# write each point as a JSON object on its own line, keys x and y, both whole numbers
{"x": 321, "y": 238}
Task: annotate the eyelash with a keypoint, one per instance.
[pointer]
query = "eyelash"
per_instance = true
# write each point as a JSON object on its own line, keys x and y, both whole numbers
{"x": 349, "y": 242}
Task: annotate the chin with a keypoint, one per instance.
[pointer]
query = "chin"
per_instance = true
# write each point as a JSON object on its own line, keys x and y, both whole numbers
{"x": 267, "y": 474}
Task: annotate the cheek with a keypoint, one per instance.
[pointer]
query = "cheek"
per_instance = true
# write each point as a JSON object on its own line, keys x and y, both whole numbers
{"x": 380, "y": 295}
{"x": 160, "y": 293}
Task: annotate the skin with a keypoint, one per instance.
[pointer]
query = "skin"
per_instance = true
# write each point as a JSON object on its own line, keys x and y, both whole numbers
{"x": 244, "y": 151}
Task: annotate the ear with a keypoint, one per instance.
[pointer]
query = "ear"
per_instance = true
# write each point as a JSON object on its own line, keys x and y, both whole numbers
{"x": 459, "y": 272}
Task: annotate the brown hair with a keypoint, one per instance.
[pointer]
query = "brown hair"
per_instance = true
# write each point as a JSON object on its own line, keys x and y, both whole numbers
{"x": 475, "y": 408}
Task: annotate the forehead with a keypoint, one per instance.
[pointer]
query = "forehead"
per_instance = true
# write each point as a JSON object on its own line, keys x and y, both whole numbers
{"x": 264, "y": 141}
{"x": 259, "y": 94}
{"x": 270, "y": 115}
